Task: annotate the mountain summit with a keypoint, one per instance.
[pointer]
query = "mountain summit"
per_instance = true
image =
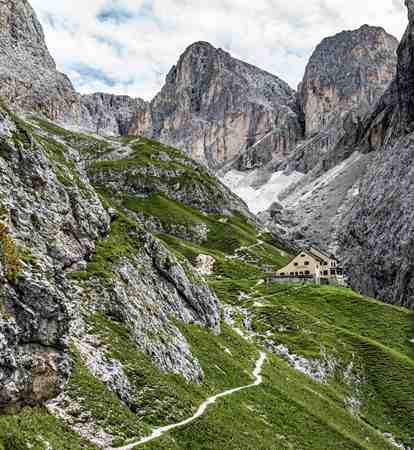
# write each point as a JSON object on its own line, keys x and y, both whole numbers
{"x": 215, "y": 106}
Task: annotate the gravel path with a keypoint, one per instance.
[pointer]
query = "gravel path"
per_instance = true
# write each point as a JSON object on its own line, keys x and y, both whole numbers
{"x": 158, "y": 432}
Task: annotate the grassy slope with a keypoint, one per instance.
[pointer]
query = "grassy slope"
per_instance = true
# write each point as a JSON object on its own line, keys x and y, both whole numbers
{"x": 289, "y": 411}
{"x": 378, "y": 335}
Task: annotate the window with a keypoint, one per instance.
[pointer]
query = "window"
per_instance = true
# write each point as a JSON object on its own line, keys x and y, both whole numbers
{"x": 296, "y": 264}
{"x": 325, "y": 272}
{"x": 307, "y": 272}
{"x": 296, "y": 273}
{"x": 282, "y": 274}
{"x": 306, "y": 263}
{"x": 300, "y": 273}
{"x": 333, "y": 272}
{"x": 292, "y": 274}
{"x": 303, "y": 256}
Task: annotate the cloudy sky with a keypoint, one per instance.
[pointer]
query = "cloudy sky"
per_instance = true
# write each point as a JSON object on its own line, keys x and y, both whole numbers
{"x": 128, "y": 46}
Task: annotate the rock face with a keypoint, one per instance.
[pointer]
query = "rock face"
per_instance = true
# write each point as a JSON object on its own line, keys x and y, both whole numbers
{"x": 215, "y": 107}
{"x": 52, "y": 224}
{"x": 30, "y": 82}
{"x": 346, "y": 71}
{"x": 378, "y": 241}
{"x": 345, "y": 76}
{"x": 114, "y": 115}
{"x": 28, "y": 76}
{"x": 45, "y": 227}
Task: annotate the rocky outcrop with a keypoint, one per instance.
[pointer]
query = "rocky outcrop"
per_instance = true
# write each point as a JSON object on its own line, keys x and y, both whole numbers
{"x": 349, "y": 70}
{"x": 378, "y": 242}
{"x": 216, "y": 107}
{"x": 46, "y": 226}
{"x": 30, "y": 82}
{"x": 52, "y": 225}
{"x": 114, "y": 115}
{"x": 28, "y": 76}
{"x": 345, "y": 76}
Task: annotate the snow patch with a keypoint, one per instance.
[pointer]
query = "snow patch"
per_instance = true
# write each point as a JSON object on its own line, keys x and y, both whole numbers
{"x": 259, "y": 200}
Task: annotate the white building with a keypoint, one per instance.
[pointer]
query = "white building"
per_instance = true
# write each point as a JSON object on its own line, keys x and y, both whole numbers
{"x": 313, "y": 264}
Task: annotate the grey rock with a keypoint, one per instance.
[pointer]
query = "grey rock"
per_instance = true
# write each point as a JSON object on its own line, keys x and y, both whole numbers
{"x": 379, "y": 231}
{"x": 28, "y": 76}
{"x": 114, "y": 115}
{"x": 349, "y": 70}
{"x": 343, "y": 83}
{"x": 216, "y": 107}
{"x": 30, "y": 82}
{"x": 51, "y": 219}
{"x": 212, "y": 105}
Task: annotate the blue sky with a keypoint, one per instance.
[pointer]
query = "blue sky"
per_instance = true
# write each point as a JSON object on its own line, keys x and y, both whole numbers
{"x": 128, "y": 46}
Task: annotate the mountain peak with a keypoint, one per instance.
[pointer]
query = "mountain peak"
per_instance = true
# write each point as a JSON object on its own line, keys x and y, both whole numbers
{"x": 358, "y": 53}
{"x": 200, "y": 44}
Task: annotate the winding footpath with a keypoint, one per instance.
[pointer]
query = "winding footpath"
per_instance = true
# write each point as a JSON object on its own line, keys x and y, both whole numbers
{"x": 241, "y": 249}
{"x": 158, "y": 432}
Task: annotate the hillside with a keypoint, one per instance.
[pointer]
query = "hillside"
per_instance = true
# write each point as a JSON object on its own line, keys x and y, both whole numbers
{"x": 109, "y": 330}
{"x": 136, "y": 300}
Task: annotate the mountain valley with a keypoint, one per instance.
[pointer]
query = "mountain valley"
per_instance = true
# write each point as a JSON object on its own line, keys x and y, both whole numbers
{"x": 136, "y": 285}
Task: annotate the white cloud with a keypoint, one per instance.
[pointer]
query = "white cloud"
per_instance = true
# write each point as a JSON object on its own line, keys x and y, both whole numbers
{"x": 132, "y": 55}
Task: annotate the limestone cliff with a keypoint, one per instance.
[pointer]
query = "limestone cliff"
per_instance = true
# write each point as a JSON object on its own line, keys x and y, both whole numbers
{"x": 113, "y": 115}
{"x": 379, "y": 239}
{"x": 28, "y": 76}
{"x": 349, "y": 70}
{"x": 345, "y": 78}
{"x": 215, "y": 107}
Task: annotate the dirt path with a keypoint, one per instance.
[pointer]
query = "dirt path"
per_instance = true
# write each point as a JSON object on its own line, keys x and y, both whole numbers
{"x": 158, "y": 432}
{"x": 241, "y": 249}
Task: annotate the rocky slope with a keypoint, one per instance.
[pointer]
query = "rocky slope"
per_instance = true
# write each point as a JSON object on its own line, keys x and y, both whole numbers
{"x": 65, "y": 256}
{"x": 314, "y": 187}
{"x": 379, "y": 230}
{"x": 108, "y": 325}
